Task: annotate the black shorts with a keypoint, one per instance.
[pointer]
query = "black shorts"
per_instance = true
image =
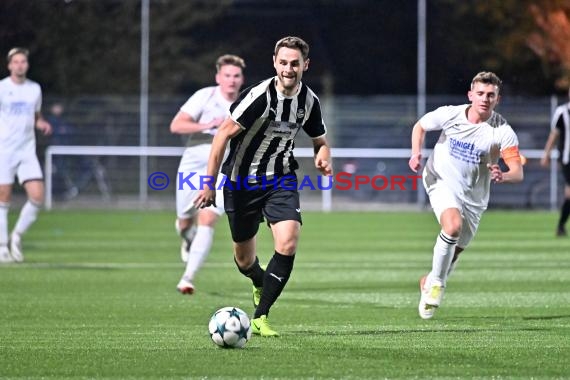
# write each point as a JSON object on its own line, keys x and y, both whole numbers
{"x": 247, "y": 208}
{"x": 566, "y": 173}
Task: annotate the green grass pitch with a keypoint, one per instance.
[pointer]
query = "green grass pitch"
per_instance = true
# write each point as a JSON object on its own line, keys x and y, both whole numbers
{"x": 96, "y": 298}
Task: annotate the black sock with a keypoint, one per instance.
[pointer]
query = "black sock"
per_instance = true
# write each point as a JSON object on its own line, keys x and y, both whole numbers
{"x": 564, "y": 213}
{"x": 276, "y": 276}
{"x": 255, "y": 272}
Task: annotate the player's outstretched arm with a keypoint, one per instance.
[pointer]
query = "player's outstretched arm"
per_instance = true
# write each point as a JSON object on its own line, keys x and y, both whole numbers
{"x": 513, "y": 161}
{"x": 418, "y": 136}
{"x": 228, "y": 129}
{"x": 42, "y": 124}
{"x": 550, "y": 142}
{"x": 184, "y": 124}
{"x": 323, "y": 159}
{"x": 515, "y": 173}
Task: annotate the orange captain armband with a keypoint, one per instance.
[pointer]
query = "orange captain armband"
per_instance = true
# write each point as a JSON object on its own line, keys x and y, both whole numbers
{"x": 512, "y": 154}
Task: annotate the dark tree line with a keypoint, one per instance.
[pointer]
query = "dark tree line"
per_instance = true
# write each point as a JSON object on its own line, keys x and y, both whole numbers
{"x": 358, "y": 47}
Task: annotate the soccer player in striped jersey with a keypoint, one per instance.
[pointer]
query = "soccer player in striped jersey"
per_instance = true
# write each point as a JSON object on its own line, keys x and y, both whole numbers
{"x": 560, "y": 132}
{"x": 260, "y": 170}
{"x": 458, "y": 174}
{"x": 20, "y": 105}
{"x": 199, "y": 119}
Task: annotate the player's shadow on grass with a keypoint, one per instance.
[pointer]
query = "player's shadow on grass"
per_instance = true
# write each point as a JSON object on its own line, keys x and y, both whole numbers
{"x": 545, "y": 317}
{"x": 415, "y": 331}
{"x": 527, "y": 318}
{"x": 78, "y": 266}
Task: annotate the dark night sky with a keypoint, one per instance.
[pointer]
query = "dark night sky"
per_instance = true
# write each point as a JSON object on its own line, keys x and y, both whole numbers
{"x": 370, "y": 46}
{"x": 363, "y": 46}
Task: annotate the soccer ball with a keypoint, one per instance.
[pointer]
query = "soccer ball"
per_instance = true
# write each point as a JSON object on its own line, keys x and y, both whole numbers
{"x": 230, "y": 327}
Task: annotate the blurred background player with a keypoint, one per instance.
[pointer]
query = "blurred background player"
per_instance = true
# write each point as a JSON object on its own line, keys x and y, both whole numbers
{"x": 458, "y": 174}
{"x": 62, "y": 134}
{"x": 20, "y": 105}
{"x": 199, "y": 118}
{"x": 73, "y": 173}
{"x": 560, "y": 132}
{"x": 260, "y": 169}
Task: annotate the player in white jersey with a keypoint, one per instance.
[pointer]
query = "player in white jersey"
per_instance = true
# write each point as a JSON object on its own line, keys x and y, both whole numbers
{"x": 199, "y": 118}
{"x": 20, "y": 105}
{"x": 458, "y": 174}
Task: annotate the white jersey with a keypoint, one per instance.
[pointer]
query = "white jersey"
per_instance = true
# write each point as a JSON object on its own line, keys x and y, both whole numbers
{"x": 18, "y": 106}
{"x": 204, "y": 106}
{"x": 460, "y": 156}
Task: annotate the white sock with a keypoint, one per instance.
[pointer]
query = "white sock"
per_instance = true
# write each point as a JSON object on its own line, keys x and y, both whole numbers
{"x": 4, "y": 223}
{"x": 27, "y": 217}
{"x": 199, "y": 250}
{"x": 451, "y": 268}
{"x": 442, "y": 256}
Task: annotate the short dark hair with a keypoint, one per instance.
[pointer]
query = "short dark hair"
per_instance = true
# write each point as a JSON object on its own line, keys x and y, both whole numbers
{"x": 17, "y": 50}
{"x": 487, "y": 77}
{"x": 293, "y": 43}
{"x": 229, "y": 59}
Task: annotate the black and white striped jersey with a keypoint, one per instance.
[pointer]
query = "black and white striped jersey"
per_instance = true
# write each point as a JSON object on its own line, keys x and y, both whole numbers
{"x": 270, "y": 122}
{"x": 561, "y": 121}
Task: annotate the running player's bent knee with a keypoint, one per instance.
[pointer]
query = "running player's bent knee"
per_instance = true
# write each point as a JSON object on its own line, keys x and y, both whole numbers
{"x": 37, "y": 202}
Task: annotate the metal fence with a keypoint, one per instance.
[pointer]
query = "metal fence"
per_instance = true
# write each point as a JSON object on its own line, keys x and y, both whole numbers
{"x": 370, "y": 137}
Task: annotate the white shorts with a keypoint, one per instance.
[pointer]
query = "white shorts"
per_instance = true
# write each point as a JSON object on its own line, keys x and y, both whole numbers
{"x": 195, "y": 160}
{"x": 442, "y": 198}
{"x": 23, "y": 164}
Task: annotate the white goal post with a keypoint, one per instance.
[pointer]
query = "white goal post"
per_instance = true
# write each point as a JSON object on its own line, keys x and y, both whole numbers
{"x": 141, "y": 151}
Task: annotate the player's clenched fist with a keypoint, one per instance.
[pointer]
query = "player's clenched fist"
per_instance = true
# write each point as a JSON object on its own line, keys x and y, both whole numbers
{"x": 324, "y": 167}
{"x": 496, "y": 173}
{"x": 415, "y": 162}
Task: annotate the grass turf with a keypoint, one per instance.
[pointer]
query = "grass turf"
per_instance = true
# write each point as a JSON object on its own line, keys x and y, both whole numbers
{"x": 96, "y": 299}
